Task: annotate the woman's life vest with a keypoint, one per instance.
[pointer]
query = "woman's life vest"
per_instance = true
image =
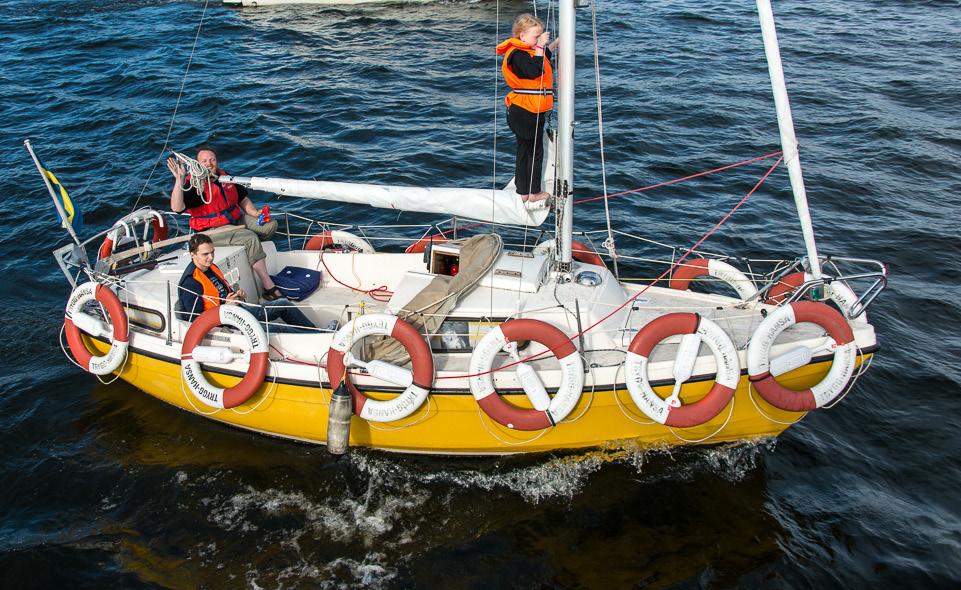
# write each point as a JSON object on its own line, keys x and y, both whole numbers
{"x": 535, "y": 95}
{"x": 220, "y": 207}
{"x": 212, "y": 297}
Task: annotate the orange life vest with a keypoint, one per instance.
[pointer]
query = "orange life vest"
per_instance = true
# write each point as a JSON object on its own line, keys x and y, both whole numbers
{"x": 211, "y": 295}
{"x": 535, "y": 95}
{"x": 221, "y": 206}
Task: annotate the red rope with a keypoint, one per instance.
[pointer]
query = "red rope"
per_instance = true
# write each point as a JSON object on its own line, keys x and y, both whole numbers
{"x": 647, "y": 188}
{"x": 284, "y": 357}
{"x": 381, "y": 293}
{"x": 676, "y": 180}
{"x": 646, "y": 287}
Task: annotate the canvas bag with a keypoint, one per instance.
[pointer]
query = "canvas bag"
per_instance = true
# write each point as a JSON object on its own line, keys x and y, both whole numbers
{"x": 296, "y": 283}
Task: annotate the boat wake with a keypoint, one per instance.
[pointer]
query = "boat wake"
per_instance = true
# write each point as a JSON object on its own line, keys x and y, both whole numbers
{"x": 365, "y": 523}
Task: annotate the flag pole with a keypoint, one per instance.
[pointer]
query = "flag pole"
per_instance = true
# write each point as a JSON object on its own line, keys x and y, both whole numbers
{"x": 63, "y": 216}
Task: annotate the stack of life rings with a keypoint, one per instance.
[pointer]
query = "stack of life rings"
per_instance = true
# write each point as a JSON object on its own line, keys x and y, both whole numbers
{"x": 759, "y": 349}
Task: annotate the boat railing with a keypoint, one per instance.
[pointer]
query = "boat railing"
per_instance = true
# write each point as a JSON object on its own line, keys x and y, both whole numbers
{"x": 866, "y": 277}
{"x": 298, "y": 230}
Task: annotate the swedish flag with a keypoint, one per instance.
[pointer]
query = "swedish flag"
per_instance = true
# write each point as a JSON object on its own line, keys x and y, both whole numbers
{"x": 73, "y": 215}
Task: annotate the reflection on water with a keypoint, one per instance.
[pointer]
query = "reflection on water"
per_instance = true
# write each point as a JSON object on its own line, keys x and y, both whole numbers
{"x": 617, "y": 516}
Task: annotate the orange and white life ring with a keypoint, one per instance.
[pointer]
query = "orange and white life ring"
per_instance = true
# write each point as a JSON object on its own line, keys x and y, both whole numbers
{"x": 718, "y": 269}
{"x": 243, "y": 320}
{"x": 417, "y": 383}
{"x": 580, "y": 252}
{"x": 75, "y": 320}
{"x": 159, "y": 225}
{"x": 670, "y": 412}
{"x": 759, "y": 351}
{"x": 840, "y": 293}
{"x": 420, "y": 245}
{"x": 336, "y": 239}
{"x": 482, "y": 383}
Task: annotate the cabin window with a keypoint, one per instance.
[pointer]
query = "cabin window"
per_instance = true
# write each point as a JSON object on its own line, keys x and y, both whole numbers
{"x": 462, "y": 335}
{"x": 148, "y": 319}
{"x": 452, "y": 336}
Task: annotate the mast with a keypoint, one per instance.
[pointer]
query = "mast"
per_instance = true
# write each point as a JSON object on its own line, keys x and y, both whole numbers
{"x": 565, "y": 134}
{"x": 785, "y": 122}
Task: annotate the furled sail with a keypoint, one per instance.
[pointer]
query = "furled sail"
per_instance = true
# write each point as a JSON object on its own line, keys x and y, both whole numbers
{"x": 498, "y": 206}
{"x": 490, "y": 205}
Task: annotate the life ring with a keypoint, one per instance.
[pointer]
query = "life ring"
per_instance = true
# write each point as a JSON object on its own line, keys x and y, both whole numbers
{"x": 699, "y": 267}
{"x": 841, "y": 294}
{"x": 842, "y": 368}
{"x": 420, "y": 245}
{"x": 580, "y": 252}
{"x": 217, "y": 397}
{"x": 98, "y": 365}
{"x": 482, "y": 383}
{"x": 725, "y": 382}
{"x": 160, "y": 232}
{"x": 421, "y": 380}
{"x": 327, "y": 240}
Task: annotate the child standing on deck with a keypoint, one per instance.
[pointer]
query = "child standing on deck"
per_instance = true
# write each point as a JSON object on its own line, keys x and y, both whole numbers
{"x": 527, "y": 70}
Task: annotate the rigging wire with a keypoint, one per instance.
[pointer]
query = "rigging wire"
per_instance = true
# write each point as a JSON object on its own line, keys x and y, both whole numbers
{"x": 497, "y": 33}
{"x": 173, "y": 117}
{"x": 609, "y": 242}
{"x": 644, "y": 290}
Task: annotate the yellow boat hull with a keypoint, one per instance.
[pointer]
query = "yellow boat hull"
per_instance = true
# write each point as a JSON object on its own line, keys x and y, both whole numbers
{"x": 452, "y": 423}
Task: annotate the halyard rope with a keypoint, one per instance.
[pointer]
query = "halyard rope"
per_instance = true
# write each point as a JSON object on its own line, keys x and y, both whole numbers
{"x": 173, "y": 118}
{"x": 609, "y": 242}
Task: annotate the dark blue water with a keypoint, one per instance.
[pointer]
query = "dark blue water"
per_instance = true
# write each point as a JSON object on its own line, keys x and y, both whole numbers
{"x": 104, "y": 486}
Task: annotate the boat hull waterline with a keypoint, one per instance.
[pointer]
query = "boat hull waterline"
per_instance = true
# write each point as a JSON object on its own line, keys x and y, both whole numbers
{"x": 451, "y": 423}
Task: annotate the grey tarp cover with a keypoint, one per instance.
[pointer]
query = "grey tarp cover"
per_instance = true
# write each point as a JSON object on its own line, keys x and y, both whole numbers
{"x": 428, "y": 309}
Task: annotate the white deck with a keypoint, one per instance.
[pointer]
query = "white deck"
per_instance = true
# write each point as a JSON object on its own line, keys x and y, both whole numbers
{"x": 604, "y": 345}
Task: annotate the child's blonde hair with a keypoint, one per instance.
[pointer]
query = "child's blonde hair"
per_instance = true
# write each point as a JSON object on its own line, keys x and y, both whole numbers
{"x": 524, "y": 22}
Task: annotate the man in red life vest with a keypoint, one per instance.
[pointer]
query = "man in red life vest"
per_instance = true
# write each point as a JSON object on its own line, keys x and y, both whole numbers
{"x": 203, "y": 286}
{"x": 224, "y": 204}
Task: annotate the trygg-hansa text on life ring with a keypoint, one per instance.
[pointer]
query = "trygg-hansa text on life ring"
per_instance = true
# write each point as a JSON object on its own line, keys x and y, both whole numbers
{"x": 482, "y": 383}
{"x": 417, "y": 383}
{"x": 718, "y": 269}
{"x": 217, "y": 397}
{"x": 75, "y": 319}
{"x": 670, "y": 412}
{"x": 842, "y": 367}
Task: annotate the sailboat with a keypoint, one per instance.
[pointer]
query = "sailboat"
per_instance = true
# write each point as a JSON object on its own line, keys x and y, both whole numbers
{"x": 486, "y": 334}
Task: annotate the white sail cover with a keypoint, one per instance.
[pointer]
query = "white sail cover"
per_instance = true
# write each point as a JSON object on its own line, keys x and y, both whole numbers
{"x": 497, "y": 206}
